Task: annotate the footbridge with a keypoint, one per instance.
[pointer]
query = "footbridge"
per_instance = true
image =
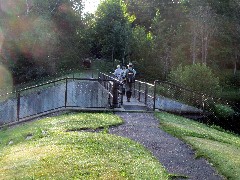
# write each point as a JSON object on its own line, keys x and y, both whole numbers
{"x": 103, "y": 93}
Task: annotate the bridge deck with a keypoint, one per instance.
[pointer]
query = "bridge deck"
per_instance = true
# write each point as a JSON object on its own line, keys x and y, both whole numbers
{"x": 133, "y": 105}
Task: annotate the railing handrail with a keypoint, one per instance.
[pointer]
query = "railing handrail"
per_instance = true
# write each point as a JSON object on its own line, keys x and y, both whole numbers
{"x": 51, "y": 82}
{"x": 207, "y": 96}
{"x": 56, "y": 79}
{"x": 144, "y": 83}
{"x": 115, "y": 88}
{"x": 65, "y": 82}
{"x": 186, "y": 89}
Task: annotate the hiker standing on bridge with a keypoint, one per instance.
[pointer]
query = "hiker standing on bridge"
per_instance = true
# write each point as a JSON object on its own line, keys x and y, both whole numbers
{"x": 130, "y": 78}
{"x": 118, "y": 72}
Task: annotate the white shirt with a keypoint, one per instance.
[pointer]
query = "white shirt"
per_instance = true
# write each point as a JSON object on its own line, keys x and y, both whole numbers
{"x": 118, "y": 73}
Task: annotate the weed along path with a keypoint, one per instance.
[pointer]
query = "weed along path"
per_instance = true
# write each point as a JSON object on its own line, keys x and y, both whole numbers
{"x": 177, "y": 157}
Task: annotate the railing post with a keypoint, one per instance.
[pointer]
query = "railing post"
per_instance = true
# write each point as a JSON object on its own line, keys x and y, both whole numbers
{"x": 122, "y": 94}
{"x": 105, "y": 82}
{"x": 154, "y": 94}
{"x": 139, "y": 93}
{"x": 203, "y": 103}
{"x": 18, "y": 105}
{"x": 134, "y": 89}
{"x": 146, "y": 93}
{"x": 115, "y": 94}
{"x": 66, "y": 93}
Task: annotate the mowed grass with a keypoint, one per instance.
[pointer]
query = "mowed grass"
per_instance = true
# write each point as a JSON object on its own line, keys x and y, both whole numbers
{"x": 67, "y": 147}
{"x": 222, "y": 149}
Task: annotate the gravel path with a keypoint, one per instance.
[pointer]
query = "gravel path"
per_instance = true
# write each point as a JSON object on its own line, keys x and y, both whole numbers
{"x": 175, "y": 155}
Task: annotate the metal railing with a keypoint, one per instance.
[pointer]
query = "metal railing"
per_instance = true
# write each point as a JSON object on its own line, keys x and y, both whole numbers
{"x": 63, "y": 93}
{"x": 142, "y": 91}
{"x": 145, "y": 92}
{"x": 103, "y": 92}
{"x": 189, "y": 97}
{"x": 114, "y": 87}
{"x": 181, "y": 94}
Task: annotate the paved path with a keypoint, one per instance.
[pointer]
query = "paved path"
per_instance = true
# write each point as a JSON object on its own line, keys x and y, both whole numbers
{"x": 176, "y": 156}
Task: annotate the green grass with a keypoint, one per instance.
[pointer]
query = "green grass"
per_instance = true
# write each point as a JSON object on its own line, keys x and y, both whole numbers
{"x": 221, "y": 148}
{"x": 61, "y": 148}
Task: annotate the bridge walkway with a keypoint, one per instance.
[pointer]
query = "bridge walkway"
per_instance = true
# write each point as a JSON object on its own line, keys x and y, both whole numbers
{"x": 133, "y": 105}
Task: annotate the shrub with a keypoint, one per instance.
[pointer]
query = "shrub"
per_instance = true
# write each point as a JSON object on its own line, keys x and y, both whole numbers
{"x": 226, "y": 117}
{"x": 228, "y": 79}
{"x": 197, "y": 77}
{"x": 223, "y": 111}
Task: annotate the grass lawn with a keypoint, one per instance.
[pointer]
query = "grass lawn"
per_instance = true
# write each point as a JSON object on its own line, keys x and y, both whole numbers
{"x": 74, "y": 146}
{"x": 221, "y": 148}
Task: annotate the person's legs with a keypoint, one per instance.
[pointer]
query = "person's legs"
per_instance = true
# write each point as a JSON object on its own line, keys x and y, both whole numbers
{"x": 128, "y": 91}
{"x": 124, "y": 89}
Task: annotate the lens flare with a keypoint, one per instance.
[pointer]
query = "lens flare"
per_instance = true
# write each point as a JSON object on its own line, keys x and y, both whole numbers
{"x": 13, "y": 7}
{"x": 45, "y": 38}
{"x": 6, "y": 83}
{"x": 1, "y": 40}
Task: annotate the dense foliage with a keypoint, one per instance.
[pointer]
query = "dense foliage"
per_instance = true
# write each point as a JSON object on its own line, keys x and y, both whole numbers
{"x": 223, "y": 111}
{"x": 196, "y": 77}
{"x": 158, "y": 36}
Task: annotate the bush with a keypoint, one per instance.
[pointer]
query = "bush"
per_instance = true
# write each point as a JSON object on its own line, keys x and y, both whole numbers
{"x": 226, "y": 117}
{"x": 223, "y": 111}
{"x": 228, "y": 79}
{"x": 197, "y": 77}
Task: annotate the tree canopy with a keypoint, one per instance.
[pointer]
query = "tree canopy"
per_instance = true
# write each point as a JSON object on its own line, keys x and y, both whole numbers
{"x": 158, "y": 36}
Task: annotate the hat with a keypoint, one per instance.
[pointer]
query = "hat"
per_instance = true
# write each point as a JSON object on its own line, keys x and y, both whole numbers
{"x": 130, "y": 64}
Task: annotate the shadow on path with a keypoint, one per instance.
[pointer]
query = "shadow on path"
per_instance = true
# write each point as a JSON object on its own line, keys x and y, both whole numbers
{"x": 177, "y": 157}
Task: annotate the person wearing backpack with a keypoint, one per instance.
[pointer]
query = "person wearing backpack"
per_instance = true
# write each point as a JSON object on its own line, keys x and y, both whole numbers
{"x": 130, "y": 79}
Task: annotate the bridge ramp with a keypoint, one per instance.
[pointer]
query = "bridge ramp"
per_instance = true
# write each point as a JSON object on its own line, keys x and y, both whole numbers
{"x": 133, "y": 105}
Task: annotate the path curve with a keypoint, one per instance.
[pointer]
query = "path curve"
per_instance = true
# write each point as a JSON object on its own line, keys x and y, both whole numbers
{"x": 174, "y": 155}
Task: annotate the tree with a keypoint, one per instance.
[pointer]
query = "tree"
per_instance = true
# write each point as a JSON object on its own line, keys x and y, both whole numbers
{"x": 141, "y": 54}
{"x": 167, "y": 28}
{"x": 197, "y": 77}
{"x": 203, "y": 25}
{"x": 45, "y": 34}
{"x": 112, "y": 30}
{"x": 143, "y": 10}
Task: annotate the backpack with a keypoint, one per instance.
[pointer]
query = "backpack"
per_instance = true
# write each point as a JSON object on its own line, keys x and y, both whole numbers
{"x": 130, "y": 76}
